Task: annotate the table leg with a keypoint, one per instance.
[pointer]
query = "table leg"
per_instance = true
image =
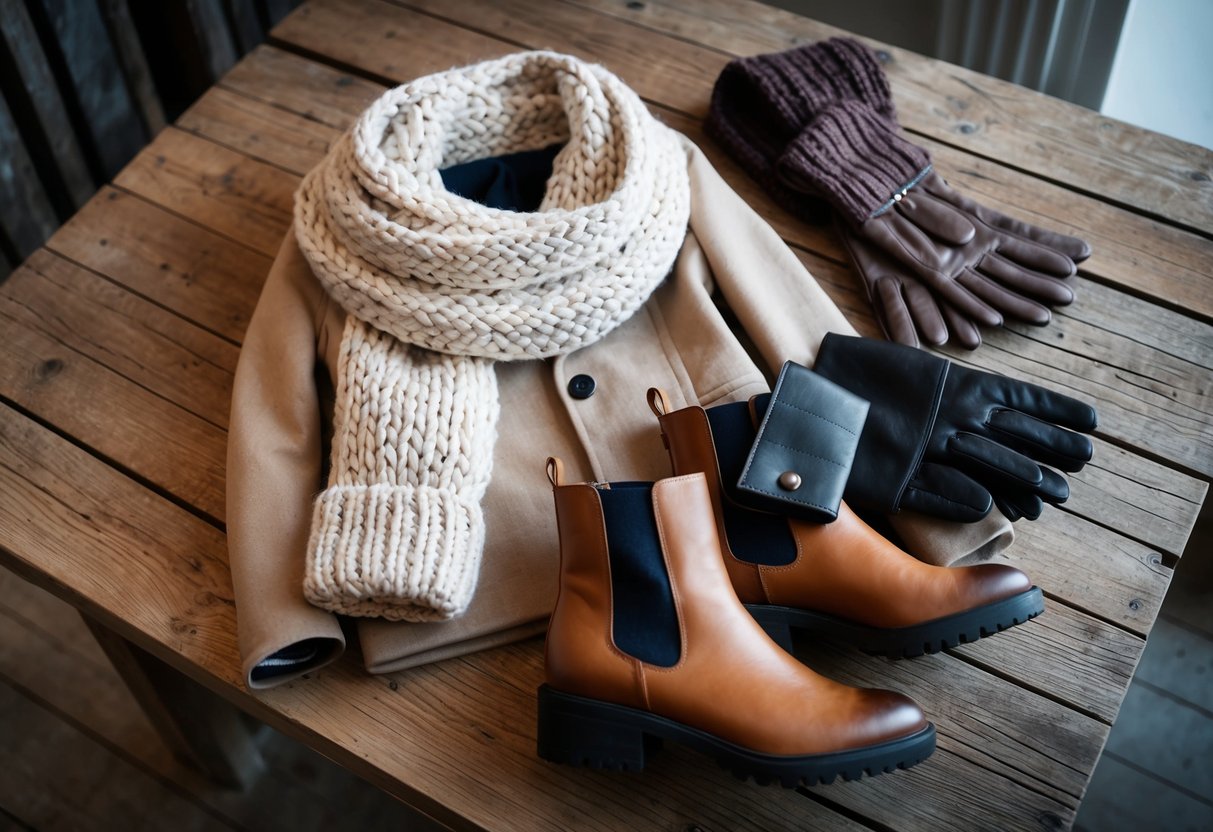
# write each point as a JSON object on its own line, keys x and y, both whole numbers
{"x": 200, "y": 728}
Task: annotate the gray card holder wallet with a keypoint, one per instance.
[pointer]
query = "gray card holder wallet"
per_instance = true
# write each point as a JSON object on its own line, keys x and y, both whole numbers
{"x": 806, "y": 443}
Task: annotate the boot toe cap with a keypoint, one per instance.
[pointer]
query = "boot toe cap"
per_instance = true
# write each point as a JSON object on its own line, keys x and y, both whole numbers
{"x": 995, "y": 581}
{"x": 890, "y": 716}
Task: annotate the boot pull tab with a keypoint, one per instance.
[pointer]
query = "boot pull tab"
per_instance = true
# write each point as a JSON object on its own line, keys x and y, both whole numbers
{"x": 555, "y": 470}
{"x": 659, "y": 402}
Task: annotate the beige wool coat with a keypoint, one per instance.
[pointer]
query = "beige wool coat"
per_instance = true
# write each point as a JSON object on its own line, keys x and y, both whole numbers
{"x": 277, "y": 445}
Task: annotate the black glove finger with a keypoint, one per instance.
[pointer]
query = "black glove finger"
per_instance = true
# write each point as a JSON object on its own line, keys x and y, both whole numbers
{"x": 1019, "y": 505}
{"x": 893, "y": 313}
{"x": 963, "y": 331}
{"x": 1053, "y": 487}
{"x": 1011, "y": 305}
{"x": 926, "y": 314}
{"x": 1038, "y": 401}
{"x": 1055, "y": 291}
{"x": 941, "y": 491}
{"x": 1034, "y": 256}
{"x": 992, "y": 463}
{"x": 936, "y": 218}
{"x": 1041, "y": 440}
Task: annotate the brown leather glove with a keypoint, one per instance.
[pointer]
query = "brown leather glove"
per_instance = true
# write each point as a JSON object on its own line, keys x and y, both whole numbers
{"x": 980, "y": 266}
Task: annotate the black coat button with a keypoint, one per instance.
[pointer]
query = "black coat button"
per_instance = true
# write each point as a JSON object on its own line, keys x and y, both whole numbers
{"x": 582, "y": 386}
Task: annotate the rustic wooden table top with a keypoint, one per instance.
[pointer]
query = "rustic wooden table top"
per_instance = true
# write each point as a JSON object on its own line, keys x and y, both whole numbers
{"x": 122, "y": 334}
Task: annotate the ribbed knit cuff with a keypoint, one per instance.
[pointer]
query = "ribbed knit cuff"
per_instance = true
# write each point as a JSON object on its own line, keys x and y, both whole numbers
{"x": 404, "y": 553}
{"x": 854, "y": 158}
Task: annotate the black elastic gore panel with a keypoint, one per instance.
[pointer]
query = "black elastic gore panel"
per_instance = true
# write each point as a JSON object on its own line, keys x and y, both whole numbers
{"x": 754, "y": 536}
{"x": 645, "y": 623}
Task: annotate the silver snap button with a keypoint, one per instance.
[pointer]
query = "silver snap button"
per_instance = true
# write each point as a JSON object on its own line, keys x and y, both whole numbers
{"x": 789, "y": 480}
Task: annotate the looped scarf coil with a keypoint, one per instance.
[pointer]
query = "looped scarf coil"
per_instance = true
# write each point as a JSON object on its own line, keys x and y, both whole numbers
{"x": 438, "y": 287}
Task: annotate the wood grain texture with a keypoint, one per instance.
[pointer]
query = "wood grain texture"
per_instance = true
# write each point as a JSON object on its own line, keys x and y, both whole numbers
{"x": 184, "y": 267}
{"x": 218, "y": 188}
{"x": 43, "y": 371}
{"x": 1048, "y": 137}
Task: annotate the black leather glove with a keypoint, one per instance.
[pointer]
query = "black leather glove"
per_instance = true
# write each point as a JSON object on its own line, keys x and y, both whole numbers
{"x": 952, "y": 442}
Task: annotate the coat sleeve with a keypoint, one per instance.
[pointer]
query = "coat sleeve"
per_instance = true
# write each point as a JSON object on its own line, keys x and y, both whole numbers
{"x": 274, "y": 470}
{"x": 786, "y": 314}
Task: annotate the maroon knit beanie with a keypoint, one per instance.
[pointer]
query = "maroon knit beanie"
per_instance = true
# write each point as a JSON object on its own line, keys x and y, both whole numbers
{"x": 762, "y": 103}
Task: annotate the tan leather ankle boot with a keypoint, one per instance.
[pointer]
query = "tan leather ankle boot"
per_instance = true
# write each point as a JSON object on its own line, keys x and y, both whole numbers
{"x": 648, "y": 642}
{"x": 841, "y": 579}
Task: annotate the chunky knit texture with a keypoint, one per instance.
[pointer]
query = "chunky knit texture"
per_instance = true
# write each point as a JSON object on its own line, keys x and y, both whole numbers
{"x": 438, "y": 287}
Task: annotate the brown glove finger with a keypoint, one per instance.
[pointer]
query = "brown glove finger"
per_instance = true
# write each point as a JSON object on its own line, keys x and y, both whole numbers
{"x": 1035, "y": 256}
{"x": 963, "y": 331}
{"x": 1005, "y": 301}
{"x": 881, "y": 281}
{"x": 1054, "y": 291}
{"x": 1072, "y": 247}
{"x": 966, "y": 302}
{"x": 937, "y": 218}
{"x": 924, "y": 309}
{"x": 906, "y": 243}
{"x": 893, "y": 313}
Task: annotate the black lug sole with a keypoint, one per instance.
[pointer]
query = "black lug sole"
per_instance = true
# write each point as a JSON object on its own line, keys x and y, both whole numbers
{"x": 902, "y": 642}
{"x": 586, "y": 732}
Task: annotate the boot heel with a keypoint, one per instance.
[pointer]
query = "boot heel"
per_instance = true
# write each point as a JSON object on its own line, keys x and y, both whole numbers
{"x": 582, "y": 732}
{"x": 773, "y": 624}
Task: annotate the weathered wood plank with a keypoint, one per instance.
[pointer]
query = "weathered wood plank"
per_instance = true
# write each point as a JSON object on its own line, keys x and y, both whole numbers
{"x": 1154, "y": 713}
{"x": 353, "y": 32}
{"x": 218, "y": 188}
{"x": 312, "y": 89}
{"x": 1094, "y": 569}
{"x": 471, "y": 762}
{"x": 1065, "y": 655}
{"x": 1051, "y": 138}
{"x": 153, "y": 348}
{"x": 151, "y": 435}
{"x": 270, "y": 134}
{"x": 178, "y": 264}
{"x": 56, "y": 777}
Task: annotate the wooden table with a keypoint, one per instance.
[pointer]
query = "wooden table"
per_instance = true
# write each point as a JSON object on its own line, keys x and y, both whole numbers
{"x": 122, "y": 334}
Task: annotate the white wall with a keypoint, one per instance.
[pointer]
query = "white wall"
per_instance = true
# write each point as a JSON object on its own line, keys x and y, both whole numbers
{"x": 1162, "y": 77}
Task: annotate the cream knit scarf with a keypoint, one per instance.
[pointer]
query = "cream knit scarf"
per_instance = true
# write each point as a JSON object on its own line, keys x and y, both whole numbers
{"x": 438, "y": 287}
